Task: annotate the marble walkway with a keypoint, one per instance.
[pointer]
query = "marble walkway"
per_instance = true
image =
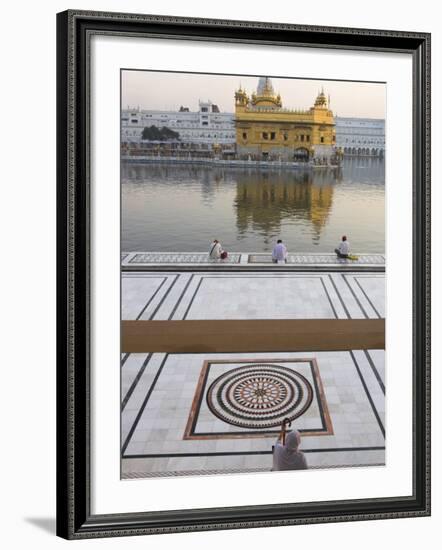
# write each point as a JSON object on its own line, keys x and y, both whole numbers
{"x": 187, "y": 414}
{"x": 139, "y": 260}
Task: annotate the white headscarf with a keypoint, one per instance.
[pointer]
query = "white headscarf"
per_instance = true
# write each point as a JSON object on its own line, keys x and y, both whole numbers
{"x": 287, "y": 457}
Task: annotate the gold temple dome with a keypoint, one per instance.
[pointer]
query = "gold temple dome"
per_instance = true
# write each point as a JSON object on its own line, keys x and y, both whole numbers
{"x": 265, "y": 86}
{"x": 265, "y": 95}
{"x": 321, "y": 100}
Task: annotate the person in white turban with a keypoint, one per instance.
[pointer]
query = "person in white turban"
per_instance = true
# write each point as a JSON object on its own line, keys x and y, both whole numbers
{"x": 286, "y": 453}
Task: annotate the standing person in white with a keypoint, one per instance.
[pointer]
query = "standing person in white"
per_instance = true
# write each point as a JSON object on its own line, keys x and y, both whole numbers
{"x": 279, "y": 254}
{"x": 215, "y": 250}
{"x": 343, "y": 249}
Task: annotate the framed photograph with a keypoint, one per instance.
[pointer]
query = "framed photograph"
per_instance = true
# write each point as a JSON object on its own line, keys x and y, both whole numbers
{"x": 243, "y": 274}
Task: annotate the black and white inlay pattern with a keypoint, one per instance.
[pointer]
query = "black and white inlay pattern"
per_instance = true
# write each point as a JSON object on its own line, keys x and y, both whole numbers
{"x": 259, "y": 396}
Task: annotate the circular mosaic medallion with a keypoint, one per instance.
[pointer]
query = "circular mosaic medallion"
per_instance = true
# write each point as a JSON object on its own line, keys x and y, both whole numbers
{"x": 259, "y": 396}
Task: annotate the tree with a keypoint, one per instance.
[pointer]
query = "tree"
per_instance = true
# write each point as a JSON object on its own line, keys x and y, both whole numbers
{"x": 152, "y": 133}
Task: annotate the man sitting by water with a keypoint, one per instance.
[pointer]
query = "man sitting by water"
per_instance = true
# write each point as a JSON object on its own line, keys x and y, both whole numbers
{"x": 343, "y": 250}
{"x": 279, "y": 254}
{"x": 215, "y": 250}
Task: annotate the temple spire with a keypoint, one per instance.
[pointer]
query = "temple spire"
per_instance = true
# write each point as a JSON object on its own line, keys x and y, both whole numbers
{"x": 265, "y": 86}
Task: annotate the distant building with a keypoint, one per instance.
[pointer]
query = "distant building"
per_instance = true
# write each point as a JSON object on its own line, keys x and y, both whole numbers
{"x": 206, "y": 126}
{"x": 266, "y": 130}
{"x": 259, "y": 129}
{"x": 361, "y": 136}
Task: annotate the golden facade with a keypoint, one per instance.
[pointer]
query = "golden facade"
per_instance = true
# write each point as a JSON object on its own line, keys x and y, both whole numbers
{"x": 266, "y": 130}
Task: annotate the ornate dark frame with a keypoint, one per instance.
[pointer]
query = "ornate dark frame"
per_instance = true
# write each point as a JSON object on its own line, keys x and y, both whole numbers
{"x": 74, "y": 518}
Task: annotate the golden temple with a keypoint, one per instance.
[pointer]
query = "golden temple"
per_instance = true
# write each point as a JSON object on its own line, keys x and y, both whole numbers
{"x": 267, "y": 131}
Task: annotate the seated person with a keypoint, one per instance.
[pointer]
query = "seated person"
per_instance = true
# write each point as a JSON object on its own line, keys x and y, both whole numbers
{"x": 215, "y": 250}
{"x": 279, "y": 254}
{"x": 343, "y": 250}
{"x": 286, "y": 455}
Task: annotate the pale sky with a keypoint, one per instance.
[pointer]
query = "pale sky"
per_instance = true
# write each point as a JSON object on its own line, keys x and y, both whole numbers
{"x": 168, "y": 91}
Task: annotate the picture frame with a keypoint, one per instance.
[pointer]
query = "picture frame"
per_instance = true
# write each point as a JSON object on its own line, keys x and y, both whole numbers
{"x": 75, "y": 217}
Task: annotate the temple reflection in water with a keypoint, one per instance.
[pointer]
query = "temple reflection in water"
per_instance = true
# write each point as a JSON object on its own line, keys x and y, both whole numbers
{"x": 181, "y": 208}
{"x": 264, "y": 200}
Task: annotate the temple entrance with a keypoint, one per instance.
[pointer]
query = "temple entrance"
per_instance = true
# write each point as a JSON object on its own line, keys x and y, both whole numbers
{"x": 301, "y": 154}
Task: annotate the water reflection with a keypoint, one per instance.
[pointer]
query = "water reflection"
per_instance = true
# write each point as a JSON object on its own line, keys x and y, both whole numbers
{"x": 183, "y": 207}
{"x": 265, "y": 200}
{"x": 364, "y": 170}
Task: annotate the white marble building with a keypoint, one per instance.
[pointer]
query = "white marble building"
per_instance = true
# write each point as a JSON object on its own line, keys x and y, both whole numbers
{"x": 361, "y": 136}
{"x": 207, "y": 125}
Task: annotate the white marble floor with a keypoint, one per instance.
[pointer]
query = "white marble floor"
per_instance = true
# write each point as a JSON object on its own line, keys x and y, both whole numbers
{"x": 170, "y": 427}
{"x": 141, "y": 259}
